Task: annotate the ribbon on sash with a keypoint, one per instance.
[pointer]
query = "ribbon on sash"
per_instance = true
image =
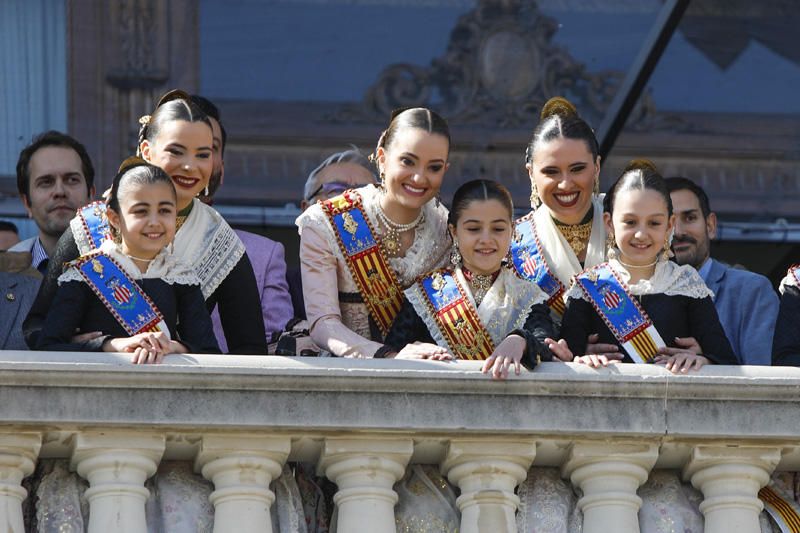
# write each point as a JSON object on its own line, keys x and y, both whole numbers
{"x": 782, "y": 508}
{"x": 621, "y": 312}
{"x": 530, "y": 264}
{"x": 365, "y": 259}
{"x": 95, "y": 224}
{"x": 456, "y": 316}
{"x": 132, "y": 308}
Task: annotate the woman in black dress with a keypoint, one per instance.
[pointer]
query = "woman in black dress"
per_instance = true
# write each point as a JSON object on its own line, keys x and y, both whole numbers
{"x": 638, "y": 279}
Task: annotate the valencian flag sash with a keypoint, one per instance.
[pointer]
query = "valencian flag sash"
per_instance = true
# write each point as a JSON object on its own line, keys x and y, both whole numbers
{"x": 621, "y": 312}
{"x": 456, "y": 316}
{"x": 365, "y": 259}
{"x": 132, "y": 308}
{"x": 529, "y": 263}
{"x": 94, "y": 223}
{"x": 783, "y": 509}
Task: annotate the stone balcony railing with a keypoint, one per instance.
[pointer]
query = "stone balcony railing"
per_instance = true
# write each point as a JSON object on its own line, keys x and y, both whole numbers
{"x": 240, "y": 418}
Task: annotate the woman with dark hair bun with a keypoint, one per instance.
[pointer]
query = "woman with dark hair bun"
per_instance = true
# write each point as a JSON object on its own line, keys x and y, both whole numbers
{"x": 564, "y": 233}
{"x": 478, "y": 308}
{"x": 361, "y": 249}
{"x": 639, "y": 299}
{"x": 177, "y": 138}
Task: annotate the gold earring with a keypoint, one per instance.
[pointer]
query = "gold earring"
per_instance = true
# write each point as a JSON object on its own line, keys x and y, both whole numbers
{"x": 455, "y": 255}
{"x": 596, "y": 188}
{"x": 667, "y": 253}
{"x": 535, "y": 200}
{"x": 611, "y": 247}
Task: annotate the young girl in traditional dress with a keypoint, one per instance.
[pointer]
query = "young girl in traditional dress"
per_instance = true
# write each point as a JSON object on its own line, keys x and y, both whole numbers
{"x": 133, "y": 289}
{"x": 479, "y": 308}
{"x": 638, "y": 299}
{"x": 177, "y": 138}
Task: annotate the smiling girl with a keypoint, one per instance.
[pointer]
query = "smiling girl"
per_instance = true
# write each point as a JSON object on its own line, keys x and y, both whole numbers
{"x": 178, "y": 138}
{"x": 478, "y": 309}
{"x": 133, "y": 289}
{"x": 360, "y": 250}
{"x": 639, "y": 300}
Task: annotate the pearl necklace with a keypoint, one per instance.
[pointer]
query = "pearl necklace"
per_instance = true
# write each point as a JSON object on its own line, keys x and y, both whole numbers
{"x": 391, "y": 237}
{"x": 648, "y": 265}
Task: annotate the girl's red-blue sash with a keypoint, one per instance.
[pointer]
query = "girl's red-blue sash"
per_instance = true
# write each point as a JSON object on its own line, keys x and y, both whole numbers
{"x": 363, "y": 253}
{"x": 132, "y": 308}
{"x": 621, "y": 312}
{"x": 530, "y": 264}
{"x": 456, "y": 316}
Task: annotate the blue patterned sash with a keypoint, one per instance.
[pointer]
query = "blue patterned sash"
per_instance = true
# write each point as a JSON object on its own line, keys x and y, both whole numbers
{"x": 621, "y": 312}
{"x": 530, "y": 264}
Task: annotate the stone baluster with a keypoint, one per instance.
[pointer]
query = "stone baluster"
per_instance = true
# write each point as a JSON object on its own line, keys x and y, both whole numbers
{"x": 241, "y": 468}
{"x": 609, "y": 474}
{"x": 730, "y": 478}
{"x": 487, "y": 472}
{"x": 365, "y": 470}
{"x": 18, "y": 453}
{"x": 116, "y": 464}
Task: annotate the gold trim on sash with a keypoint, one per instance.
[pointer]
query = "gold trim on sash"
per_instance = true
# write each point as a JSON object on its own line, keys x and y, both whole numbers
{"x": 365, "y": 257}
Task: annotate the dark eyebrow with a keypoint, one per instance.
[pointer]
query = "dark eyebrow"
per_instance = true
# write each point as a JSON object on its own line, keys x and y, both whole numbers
{"x": 471, "y": 220}
{"x": 409, "y": 154}
{"x": 139, "y": 204}
{"x": 167, "y": 202}
{"x": 689, "y": 211}
{"x": 176, "y": 145}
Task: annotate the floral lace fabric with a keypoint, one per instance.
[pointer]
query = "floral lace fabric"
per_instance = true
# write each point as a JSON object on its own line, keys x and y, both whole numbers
{"x": 427, "y": 502}
{"x": 547, "y": 504}
{"x": 669, "y": 278}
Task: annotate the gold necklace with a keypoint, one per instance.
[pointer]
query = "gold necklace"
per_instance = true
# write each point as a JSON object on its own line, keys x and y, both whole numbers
{"x": 479, "y": 283}
{"x": 179, "y": 222}
{"x": 391, "y": 237}
{"x": 576, "y": 235}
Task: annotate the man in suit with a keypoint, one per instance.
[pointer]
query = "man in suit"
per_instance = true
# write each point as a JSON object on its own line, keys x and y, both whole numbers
{"x": 746, "y": 302}
{"x": 19, "y": 283}
{"x": 55, "y": 177}
{"x": 266, "y": 255}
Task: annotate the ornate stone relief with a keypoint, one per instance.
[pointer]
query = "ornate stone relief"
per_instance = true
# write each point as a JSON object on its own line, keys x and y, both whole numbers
{"x": 499, "y": 68}
{"x": 135, "y": 52}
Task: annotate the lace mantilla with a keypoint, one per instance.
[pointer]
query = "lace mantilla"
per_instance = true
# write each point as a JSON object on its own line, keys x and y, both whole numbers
{"x": 669, "y": 278}
{"x": 430, "y": 249}
{"x": 209, "y": 245}
{"x": 166, "y": 267}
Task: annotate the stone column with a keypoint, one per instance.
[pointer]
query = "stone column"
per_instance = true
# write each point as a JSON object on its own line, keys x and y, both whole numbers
{"x": 18, "y": 453}
{"x": 730, "y": 478}
{"x": 365, "y": 469}
{"x": 487, "y": 472}
{"x": 241, "y": 468}
{"x": 116, "y": 464}
{"x": 609, "y": 474}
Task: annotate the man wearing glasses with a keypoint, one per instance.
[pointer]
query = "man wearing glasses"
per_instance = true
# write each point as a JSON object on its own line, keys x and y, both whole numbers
{"x": 340, "y": 171}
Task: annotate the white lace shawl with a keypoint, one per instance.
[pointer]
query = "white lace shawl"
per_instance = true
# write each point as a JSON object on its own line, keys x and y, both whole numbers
{"x": 558, "y": 253}
{"x": 210, "y": 245}
{"x": 429, "y": 251}
{"x": 166, "y": 266}
{"x": 79, "y": 234}
{"x": 669, "y": 278}
{"x": 504, "y": 308}
{"x": 790, "y": 280}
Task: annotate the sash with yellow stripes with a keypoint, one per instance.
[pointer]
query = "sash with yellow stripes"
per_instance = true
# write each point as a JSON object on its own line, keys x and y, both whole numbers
{"x": 782, "y": 508}
{"x": 622, "y": 313}
{"x": 365, "y": 259}
{"x": 455, "y": 316}
{"x": 124, "y": 299}
{"x": 530, "y": 264}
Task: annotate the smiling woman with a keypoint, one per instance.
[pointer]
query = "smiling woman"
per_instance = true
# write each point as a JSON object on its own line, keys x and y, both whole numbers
{"x": 359, "y": 250}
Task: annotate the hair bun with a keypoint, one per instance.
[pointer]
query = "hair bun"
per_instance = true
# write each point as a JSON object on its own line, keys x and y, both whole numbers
{"x": 129, "y": 163}
{"x": 558, "y": 106}
{"x": 640, "y": 164}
